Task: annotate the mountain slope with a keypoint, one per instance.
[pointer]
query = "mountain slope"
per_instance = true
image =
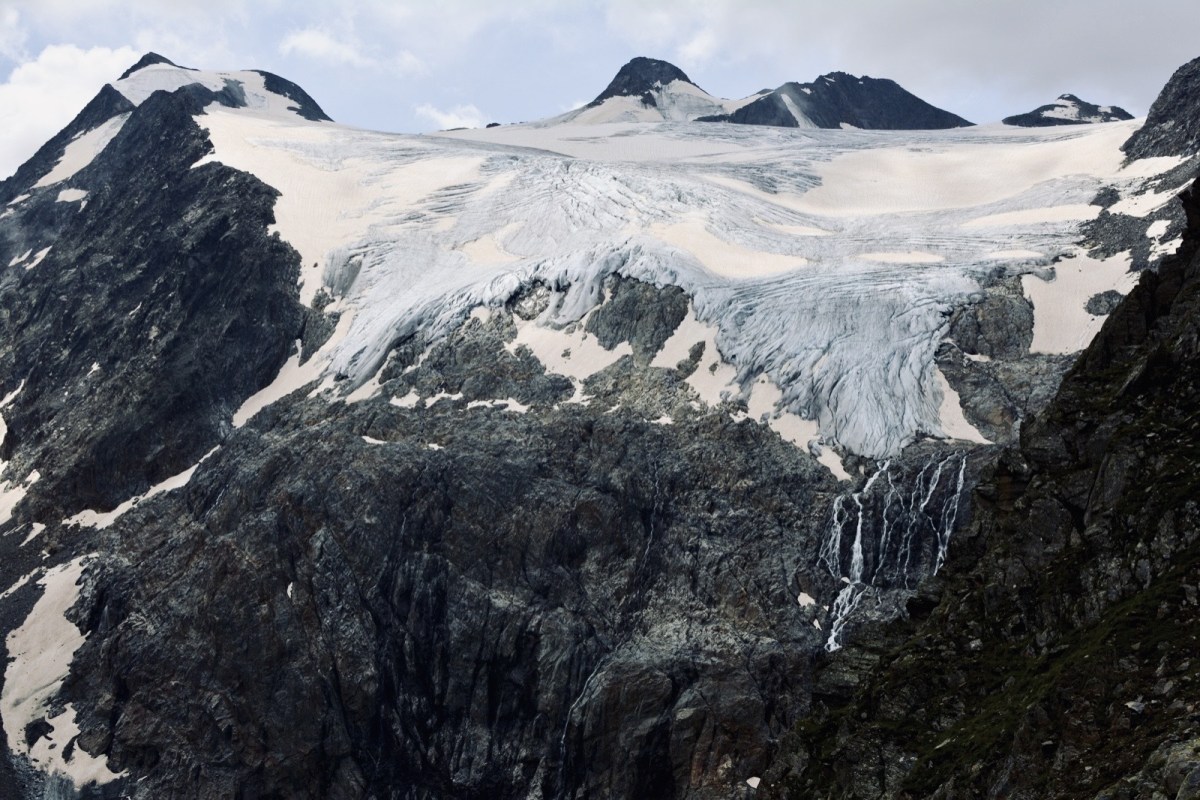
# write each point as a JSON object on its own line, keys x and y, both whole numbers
{"x": 1068, "y": 110}
{"x": 1173, "y": 124}
{"x": 840, "y": 100}
{"x": 1055, "y": 657}
{"x": 525, "y": 462}
{"x": 649, "y": 90}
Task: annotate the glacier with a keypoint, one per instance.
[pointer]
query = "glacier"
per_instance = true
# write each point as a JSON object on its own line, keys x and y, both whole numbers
{"x": 827, "y": 261}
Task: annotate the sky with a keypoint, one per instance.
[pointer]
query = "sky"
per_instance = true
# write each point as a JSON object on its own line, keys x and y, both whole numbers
{"x": 420, "y": 65}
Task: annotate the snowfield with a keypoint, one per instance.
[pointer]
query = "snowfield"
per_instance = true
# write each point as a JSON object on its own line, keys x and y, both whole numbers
{"x": 826, "y": 261}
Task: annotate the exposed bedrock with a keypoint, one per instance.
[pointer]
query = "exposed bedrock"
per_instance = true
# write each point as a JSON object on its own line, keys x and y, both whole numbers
{"x": 1055, "y": 655}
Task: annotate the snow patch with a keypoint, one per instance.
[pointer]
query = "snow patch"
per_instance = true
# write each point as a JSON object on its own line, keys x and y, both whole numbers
{"x": 954, "y": 421}
{"x": 1061, "y": 323}
{"x": 13, "y": 492}
{"x": 94, "y": 519}
{"x": 410, "y": 400}
{"x": 39, "y": 257}
{"x": 507, "y": 404}
{"x": 911, "y": 257}
{"x": 1157, "y": 228}
{"x": 71, "y": 196}
{"x": 35, "y": 530}
{"x": 1077, "y": 212}
{"x": 576, "y": 354}
{"x": 82, "y": 150}
{"x": 722, "y": 257}
{"x": 41, "y": 650}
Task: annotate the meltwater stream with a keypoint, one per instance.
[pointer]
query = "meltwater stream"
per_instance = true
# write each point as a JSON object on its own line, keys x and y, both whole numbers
{"x": 891, "y": 533}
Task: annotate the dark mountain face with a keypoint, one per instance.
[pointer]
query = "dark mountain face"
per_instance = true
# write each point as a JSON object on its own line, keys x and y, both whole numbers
{"x": 1173, "y": 125}
{"x": 148, "y": 60}
{"x": 640, "y": 76}
{"x": 839, "y": 99}
{"x": 1057, "y": 658}
{"x": 368, "y": 600}
{"x": 1069, "y": 110}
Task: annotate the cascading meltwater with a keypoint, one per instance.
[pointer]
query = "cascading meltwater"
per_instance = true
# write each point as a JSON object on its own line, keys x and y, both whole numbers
{"x": 901, "y": 525}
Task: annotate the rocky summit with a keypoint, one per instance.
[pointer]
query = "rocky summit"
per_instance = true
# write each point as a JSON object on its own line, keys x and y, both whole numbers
{"x": 669, "y": 460}
{"x": 1068, "y": 110}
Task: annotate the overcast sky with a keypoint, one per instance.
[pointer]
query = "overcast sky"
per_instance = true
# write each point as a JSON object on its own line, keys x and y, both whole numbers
{"x": 415, "y": 65}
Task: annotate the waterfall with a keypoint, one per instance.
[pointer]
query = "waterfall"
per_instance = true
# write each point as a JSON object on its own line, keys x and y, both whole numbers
{"x": 901, "y": 532}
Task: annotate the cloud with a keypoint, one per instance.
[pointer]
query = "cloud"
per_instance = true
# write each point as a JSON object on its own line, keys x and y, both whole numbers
{"x": 466, "y": 116}
{"x": 12, "y": 35}
{"x": 323, "y": 47}
{"x": 41, "y": 96}
{"x": 700, "y": 48}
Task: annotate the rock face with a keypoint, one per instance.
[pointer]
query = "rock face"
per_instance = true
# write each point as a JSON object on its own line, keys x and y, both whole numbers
{"x": 1058, "y": 656}
{"x": 647, "y": 89}
{"x": 1068, "y": 110}
{"x": 470, "y": 576}
{"x": 1173, "y": 125}
{"x": 839, "y": 100}
{"x": 639, "y": 78}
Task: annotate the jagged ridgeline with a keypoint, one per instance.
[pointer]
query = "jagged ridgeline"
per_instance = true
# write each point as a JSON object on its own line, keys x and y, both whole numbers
{"x": 583, "y": 458}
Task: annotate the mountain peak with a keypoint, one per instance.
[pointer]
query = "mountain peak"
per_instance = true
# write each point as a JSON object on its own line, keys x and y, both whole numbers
{"x": 640, "y": 76}
{"x": 1068, "y": 109}
{"x": 147, "y": 60}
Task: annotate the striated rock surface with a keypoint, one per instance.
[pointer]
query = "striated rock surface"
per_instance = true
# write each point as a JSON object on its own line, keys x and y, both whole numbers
{"x": 1173, "y": 125}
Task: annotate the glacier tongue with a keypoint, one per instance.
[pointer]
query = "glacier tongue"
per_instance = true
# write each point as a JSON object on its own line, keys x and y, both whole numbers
{"x": 841, "y": 299}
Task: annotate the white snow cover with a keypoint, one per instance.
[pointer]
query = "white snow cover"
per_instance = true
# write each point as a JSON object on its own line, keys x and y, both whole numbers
{"x": 71, "y": 195}
{"x": 82, "y": 150}
{"x": 1061, "y": 323}
{"x": 39, "y": 257}
{"x": 41, "y": 651}
{"x": 827, "y": 261}
{"x": 678, "y": 101}
{"x": 138, "y": 87}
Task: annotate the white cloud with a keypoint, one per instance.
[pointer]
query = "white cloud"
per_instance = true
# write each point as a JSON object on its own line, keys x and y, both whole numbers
{"x": 467, "y": 116}
{"x": 41, "y": 96}
{"x": 316, "y": 44}
{"x": 699, "y": 48}
{"x": 12, "y": 34}
{"x": 320, "y": 45}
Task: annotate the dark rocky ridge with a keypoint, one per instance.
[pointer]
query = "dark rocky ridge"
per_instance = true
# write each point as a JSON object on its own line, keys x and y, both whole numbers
{"x": 1173, "y": 125}
{"x": 1089, "y": 113}
{"x": 1055, "y": 657}
{"x": 148, "y": 60}
{"x": 192, "y": 313}
{"x": 839, "y": 98}
{"x": 108, "y": 103}
{"x": 639, "y": 77}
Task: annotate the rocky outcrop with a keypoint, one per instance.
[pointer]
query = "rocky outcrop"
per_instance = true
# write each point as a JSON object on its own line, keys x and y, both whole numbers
{"x": 838, "y": 100}
{"x": 1173, "y": 125}
{"x": 640, "y": 77}
{"x": 1055, "y": 656}
{"x": 1068, "y": 110}
{"x": 162, "y": 295}
{"x": 461, "y": 600}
